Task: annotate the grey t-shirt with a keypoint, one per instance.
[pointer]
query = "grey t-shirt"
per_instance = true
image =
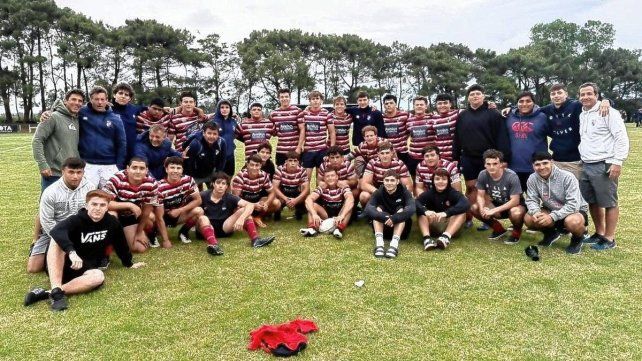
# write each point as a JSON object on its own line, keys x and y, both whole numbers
{"x": 499, "y": 191}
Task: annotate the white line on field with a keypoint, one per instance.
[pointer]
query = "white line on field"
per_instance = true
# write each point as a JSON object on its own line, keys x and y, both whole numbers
{"x": 16, "y": 148}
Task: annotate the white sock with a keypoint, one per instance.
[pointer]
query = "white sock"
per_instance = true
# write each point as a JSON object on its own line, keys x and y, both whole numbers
{"x": 378, "y": 239}
{"x": 395, "y": 241}
{"x": 447, "y": 235}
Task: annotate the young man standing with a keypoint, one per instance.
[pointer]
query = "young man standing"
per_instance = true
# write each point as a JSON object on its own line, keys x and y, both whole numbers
{"x": 431, "y": 162}
{"x": 444, "y": 125}
{"x": 154, "y": 146}
{"x": 376, "y": 170}
{"x": 366, "y": 151}
{"x": 364, "y": 115}
{"x": 440, "y": 210}
{"x": 253, "y": 185}
{"x": 316, "y": 131}
{"x": 59, "y": 201}
{"x": 286, "y": 127}
{"x": 390, "y": 208}
{"x": 185, "y": 120}
{"x": 499, "y": 196}
{"x": 329, "y": 200}
{"x": 604, "y": 146}
{"x": 228, "y": 213}
{"x": 255, "y": 130}
{"x": 419, "y": 127}
{"x": 395, "y": 123}
{"x": 155, "y": 114}
{"x": 205, "y": 154}
{"x": 224, "y": 118}
{"x": 123, "y": 94}
{"x": 291, "y": 185}
{"x": 342, "y": 123}
{"x": 80, "y": 244}
{"x": 555, "y": 203}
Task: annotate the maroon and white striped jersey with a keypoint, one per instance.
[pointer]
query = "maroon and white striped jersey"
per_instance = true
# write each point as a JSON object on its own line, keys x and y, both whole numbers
{"x": 316, "y": 129}
{"x": 378, "y": 170}
{"x": 346, "y": 171}
{"x": 342, "y": 124}
{"x": 181, "y": 126}
{"x": 421, "y": 134}
{"x": 286, "y": 128}
{"x": 291, "y": 181}
{"x": 176, "y": 195}
{"x": 396, "y": 130}
{"x": 145, "y": 120}
{"x": 425, "y": 172}
{"x": 245, "y": 184}
{"x": 254, "y": 133}
{"x": 123, "y": 191}
{"x": 332, "y": 196}
{"x": 444, "y": 127}
{"x": 365, "y": 150}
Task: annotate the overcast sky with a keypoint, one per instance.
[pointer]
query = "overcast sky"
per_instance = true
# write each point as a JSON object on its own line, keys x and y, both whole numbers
{"x": 492, "y": 24}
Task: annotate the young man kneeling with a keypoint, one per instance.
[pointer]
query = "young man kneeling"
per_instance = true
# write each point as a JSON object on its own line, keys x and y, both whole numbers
{"x": 441, "y": 210}
{"x": 390, "y": 208}
{"x": 78, "y": 247}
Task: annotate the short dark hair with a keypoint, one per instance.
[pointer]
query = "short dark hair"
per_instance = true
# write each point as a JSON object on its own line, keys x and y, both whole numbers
{"x": 538, "y": 156}
{"x": 98, "y": 193}
{"x": 254, "y": 158}
{"x": 558, "y": 86}
{"x": 76, "y": 92}
{"x": 187, "y": 94}
{"x": 441, "y": 172}
{"x": 158, "y": 101}
{"x": 211, "y": 126}
{"x": 444, "y": 97}
{"x": 526, "y": 94}
{"x": 330, "y": 168}
{"x": 429, "y": 148}
{"x": 420, "y": 98}
{"x": 221, "y": 175}
{"x": 369, "y": 128}
{"x": 473, "y": 88}
{"x": 97, "y": 90}
{"x": 74, "y": 163}
{"x": 362, "y": 94}
{"x": 126, "y": 87}
{"x": 137, "y": 159}
{"x": 385, "y": 145}
{"x": 284, "y": 91}
{"x": 391, "y": 173}
{"x": 292, "y": 155}
{"x": 493, "y": 154}
{"x": 389, "y": 97}
{"x": 264, "y": 145}
{"x": 315, "y": 94}
{"x": 335, "y": 149}
{"x": 173, "y": 160}
{"x": 256, "y": 104}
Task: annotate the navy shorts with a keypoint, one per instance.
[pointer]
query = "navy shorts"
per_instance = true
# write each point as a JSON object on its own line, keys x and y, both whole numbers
{"x": 312, "y": 159}
{"x": 127, "y": 220}
{"x": 470, "y": 167}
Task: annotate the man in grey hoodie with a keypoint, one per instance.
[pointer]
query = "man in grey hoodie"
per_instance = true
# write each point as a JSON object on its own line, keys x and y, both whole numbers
{"x": 555, "y": 204}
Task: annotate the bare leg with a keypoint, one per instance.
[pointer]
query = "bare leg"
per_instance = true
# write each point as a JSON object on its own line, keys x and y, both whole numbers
{"x": 574, "y": 223}
{"x": 424, "y": 227}
{"x": 599, "y": 219}
{"x": 36, "y": 263}
{"x": 55, "y": 263}
{"x": 612, "y": 215}
{"x": 87, "y": 282}
{"x": 130, "y": 235}
{"x": 455, "y": 223}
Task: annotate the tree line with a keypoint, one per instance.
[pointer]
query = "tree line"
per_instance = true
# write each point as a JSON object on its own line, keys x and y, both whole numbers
{"x": 46, "y": 50}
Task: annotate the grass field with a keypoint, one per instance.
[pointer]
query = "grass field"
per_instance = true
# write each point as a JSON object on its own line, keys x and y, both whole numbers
{"x": 477, "y": 300}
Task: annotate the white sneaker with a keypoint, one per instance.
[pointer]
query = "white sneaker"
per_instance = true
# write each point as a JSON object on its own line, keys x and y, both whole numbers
{"x": 337, "y": 234}
{"x": 308, "y": 232}
{"x": 154, "y": 243}
{"x": 184, "y": 239}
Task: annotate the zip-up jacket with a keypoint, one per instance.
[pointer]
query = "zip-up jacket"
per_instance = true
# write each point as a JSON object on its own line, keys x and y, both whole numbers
{"x": 102, "y": 137}
{"x": 155, "y": 156}
{"x": 59, "y": 202}
{"x": 202, "y": 157}
{"x": 560, "y": 194}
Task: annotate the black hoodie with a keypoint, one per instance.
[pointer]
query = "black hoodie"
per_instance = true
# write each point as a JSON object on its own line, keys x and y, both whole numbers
{"x": 400, "y": 199}
{"x": 90, "y": 239}
{"x": 478, "y": 130}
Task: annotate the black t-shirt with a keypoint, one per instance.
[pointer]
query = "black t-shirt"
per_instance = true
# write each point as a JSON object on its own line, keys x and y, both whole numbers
{"x": 222, "y": 209}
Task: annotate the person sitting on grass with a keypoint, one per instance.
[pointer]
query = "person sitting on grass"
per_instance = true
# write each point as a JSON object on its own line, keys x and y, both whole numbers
{"x": 79, "y": 246}
{"x": 291, "y": 185}
{"x": 329, "y": 200}
{"x": 441, "y": 210}
{"x": 345, "y": 170}
{"x": 431, "y": 162}
{"x": 390, "y": 208}
{"x": 499, "y": 196}
{"x": 227, "y": 213}
{"x": 254, "y": 185}
{"x": 555, "y": 203}
{"x": 265, "y": 152}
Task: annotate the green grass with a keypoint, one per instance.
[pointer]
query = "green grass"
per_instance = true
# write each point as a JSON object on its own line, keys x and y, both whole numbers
{"x": 477, "y": 300}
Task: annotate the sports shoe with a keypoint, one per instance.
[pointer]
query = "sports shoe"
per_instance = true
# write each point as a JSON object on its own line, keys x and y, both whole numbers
{"x": 379, "y": 252}
{"x": 532, "y": 252}
{"x": 497, "y": 235}
{"x": 262, "y": 241}
{"x": 153, "y": 242}
{"x": 604, "y": 244}
{"x": 214, "y": 250}
{"x": 443, "y": 241}
{"x": 308, "y": 232}
{"x": 575, "y": 247}
{"x": 483, "y": 227}
{"x": 392, "y": 252}
{"x": 104, "y": 263}
{"x": 592, "y": 239}
{"x": 337, "y": 233}
{"x": 511, "y": 240}
{"x": 429, "y": 244}
{"x": 183, "y": 235}
{"x": 35, "y": 295}
{"x": 468, "y": 224}
{"x": 58, "y": 300}
{"x": 550, "y": 236}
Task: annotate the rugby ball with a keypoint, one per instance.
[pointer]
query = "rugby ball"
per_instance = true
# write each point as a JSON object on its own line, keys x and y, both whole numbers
{"x": 327, "y": 225}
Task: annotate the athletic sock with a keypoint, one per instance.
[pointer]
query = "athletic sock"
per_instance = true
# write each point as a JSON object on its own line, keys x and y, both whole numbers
{"x": 516, "y": 233}
{"x": 208, "y": 232}
{"x": 188, "y": 225}
{"x": 395, "y": 241}
{"x": 250, "y": 228}
{"x": 379, "y": 239}
{"x": 342, "y": 226}
{"x": 448, "y": 235}
{"x": 496, "y": 226}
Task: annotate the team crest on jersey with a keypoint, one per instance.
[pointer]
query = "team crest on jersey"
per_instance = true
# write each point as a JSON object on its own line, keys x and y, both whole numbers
{"x": 72, "y": 127}
{"x": 108, "y": 123}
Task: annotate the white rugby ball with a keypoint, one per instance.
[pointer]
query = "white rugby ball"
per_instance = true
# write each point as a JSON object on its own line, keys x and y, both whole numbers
{"x": 327, "y": 225}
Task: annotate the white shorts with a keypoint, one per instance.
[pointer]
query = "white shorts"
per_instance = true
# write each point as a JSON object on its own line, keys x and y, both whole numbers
{"x": 99, "y": 174}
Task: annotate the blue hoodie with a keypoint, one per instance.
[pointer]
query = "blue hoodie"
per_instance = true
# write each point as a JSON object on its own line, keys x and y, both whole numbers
{"x": 227, "y": 127}
{"x": 155, "y": 156}
{"x": 102, "y": 137}
{"x": 202, "y": 158}
{"x": 564, "y": 129}
{"x": 527, "y": 134}
{"x": 128, "y": 114}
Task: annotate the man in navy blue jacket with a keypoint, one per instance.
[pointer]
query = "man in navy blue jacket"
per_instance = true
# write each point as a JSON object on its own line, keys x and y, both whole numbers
{"x": 154, "y": 146}
{"x": 102, "y": 143}
{"x": 363, "y": 116}
{"x": 123, "y": 94}
{"x": 205, "y": 155}
{"x": 225, "y": 119}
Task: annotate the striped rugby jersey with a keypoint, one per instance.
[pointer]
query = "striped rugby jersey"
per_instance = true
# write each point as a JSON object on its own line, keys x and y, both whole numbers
{"x": 346, "y": 171}
{"x": 444, "y": 128}
{"x": 246, "y": 185}
{"x": 334, "y": 196}
{"x": 176, "y": 195}
{"x": 425, "y": 172}
{"x": 378, "y": 170}
{"x": 316, "y": 129}
{"x": 123, "y": 191}
{"x": 342, "y": 124}
{"x": 291, "y": 181}
{"x": 286, "y": 128}
{"x": 145, "y": 120}
{"x": 365, "y": 150}
{"x": 421, "y": 132}
{"x": 396, "y": 130}
{"x": 182, "y": 126}
{"x": 254, "y": 133}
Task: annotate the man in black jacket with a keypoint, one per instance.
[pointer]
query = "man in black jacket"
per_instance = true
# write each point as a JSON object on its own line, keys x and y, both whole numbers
{"x": 205, "y": 154}
{"x": 364, "y": 115}
{"x": 390, "y": 208}
{"x": 80, "y": 243}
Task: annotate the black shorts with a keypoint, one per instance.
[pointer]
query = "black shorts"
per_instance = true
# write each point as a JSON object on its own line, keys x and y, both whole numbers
{"x": 332, "y": 209}
{"x": 403, "y": 157}
{"x": 559, "y": 224}
{"x": 291, "y": 192}
{"x": 218, "y": 228}
{"x": 470, "y": 167}
{"x": 312, "y": 159}
{"x": 170, "y": 221}
{"x": 254, "y": 197}
{"x": 69, "y": 274}
{"x": 412, "y": 164}
{"x": 127, "y": 220}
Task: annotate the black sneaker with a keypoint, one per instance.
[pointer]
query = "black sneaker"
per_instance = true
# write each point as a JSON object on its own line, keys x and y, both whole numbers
{"x": 277, "y": 216}
{"x": 35, "y": 295}
{"x": 443, "y": 241}
{"x": 298, "y": 215}
{"x": 262, "y": 241}
{"x": 511, "y": 240}
{"x": 58, "y": 300}
{"x": 592, "y": 239}
{"x": 214, "y": 250}
{"x": 550, "y": 237}
{"x": 497, "y": 235}
{"x": 104, "y": 264}
{"x": 576, "y": 245}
